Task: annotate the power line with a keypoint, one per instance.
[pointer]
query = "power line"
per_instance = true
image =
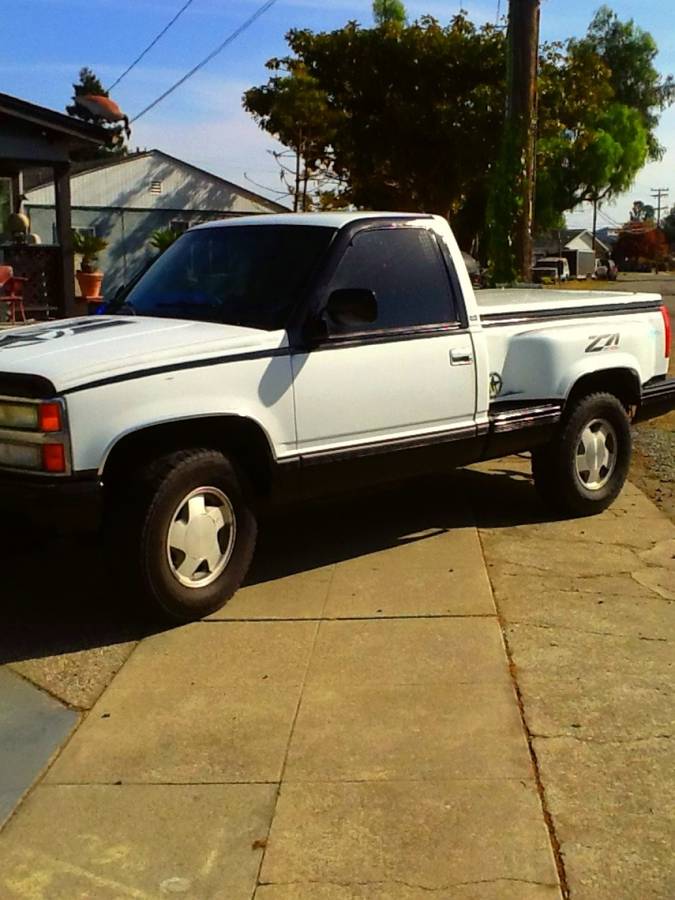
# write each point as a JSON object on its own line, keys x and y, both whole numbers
{"x": 228, "y": 40}
{"x": 608, "y": 218}
{"x": 151, "y": 44}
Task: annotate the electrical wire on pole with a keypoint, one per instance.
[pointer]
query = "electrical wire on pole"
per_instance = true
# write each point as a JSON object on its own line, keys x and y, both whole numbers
{"x": 609, "y": 219}
{"x": 657, "y": 194}
{"x": 152, "y": 43}
{"x": 207, "y": 59}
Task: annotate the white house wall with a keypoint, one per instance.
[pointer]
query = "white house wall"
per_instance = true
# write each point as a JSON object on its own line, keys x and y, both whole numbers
{"x": 128, "y": 185}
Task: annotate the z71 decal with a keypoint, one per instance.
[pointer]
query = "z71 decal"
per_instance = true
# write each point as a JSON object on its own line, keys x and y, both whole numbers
{"x": 603, "y": 342}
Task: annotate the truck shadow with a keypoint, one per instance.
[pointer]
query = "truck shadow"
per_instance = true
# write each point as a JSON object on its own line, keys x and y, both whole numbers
{"x": 57, "y": 595}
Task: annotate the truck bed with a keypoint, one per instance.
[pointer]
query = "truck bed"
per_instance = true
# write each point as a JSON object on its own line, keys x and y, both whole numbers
{"x": 515, "y": 301}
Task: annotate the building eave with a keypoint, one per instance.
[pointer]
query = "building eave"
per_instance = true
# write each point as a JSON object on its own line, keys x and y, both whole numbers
{"x": 48, "y": 119}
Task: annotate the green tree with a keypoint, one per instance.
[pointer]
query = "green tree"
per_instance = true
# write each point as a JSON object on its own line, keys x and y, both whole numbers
{"x": 642, "y": 212}
{"x": 411, "y": 118}
{"x": 90, "y": 84}
{"x": 294, "y": 109}
{"x": 389, "y": 11}
{"x": 594, "y": 134}
{"x": 629, "y": 53}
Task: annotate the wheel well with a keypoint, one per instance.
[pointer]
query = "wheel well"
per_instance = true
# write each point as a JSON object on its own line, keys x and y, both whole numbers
{"x": 623, "y": 383}
{"x": 240, "y": 438}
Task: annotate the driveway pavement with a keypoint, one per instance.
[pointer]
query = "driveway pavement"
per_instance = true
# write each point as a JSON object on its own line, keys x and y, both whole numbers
{"x": 348, "y": 727}
{"x": 352, "y": 726}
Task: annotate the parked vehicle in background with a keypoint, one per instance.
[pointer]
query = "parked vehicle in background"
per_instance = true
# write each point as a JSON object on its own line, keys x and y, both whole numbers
{"x": 279, "y": 357}
{"x": 474, "y": 269}
{"x": 606, "y": 270}
{"x": 555, "y": 267}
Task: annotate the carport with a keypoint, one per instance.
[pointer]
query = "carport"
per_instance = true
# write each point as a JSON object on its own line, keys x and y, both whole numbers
{"x": 34, "y": 137}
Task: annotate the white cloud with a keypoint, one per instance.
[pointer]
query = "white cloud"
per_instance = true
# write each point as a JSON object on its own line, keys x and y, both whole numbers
{"x": 232, "y": 146}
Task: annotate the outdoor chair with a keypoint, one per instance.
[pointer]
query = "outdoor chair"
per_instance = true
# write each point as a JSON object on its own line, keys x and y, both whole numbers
{"x": 11, "y": 293}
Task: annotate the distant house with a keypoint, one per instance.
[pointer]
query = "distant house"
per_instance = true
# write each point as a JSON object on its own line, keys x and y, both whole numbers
{"x": 575, "y": 245}
{"x": 608, "y": 236}
{"x": 125, "y": 200}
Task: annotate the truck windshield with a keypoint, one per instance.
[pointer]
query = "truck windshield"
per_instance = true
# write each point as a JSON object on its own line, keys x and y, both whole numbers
{"x": 249, "y": 275}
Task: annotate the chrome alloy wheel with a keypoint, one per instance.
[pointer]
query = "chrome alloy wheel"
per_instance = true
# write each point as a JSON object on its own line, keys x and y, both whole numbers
{"x": 596, "y": 454}
{"x": 201, "y": 537}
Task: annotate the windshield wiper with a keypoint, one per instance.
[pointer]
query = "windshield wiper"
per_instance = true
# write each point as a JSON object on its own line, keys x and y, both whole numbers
{"x": 184, "y": 305}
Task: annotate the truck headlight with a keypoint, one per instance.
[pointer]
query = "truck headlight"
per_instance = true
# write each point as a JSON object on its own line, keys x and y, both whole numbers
{"x": 19, "y": 415}
{"x": 34, "y": 436}
{"x": 21, "y": 456}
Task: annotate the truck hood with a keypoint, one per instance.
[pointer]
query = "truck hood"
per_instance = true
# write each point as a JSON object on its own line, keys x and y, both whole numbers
{"x": 71, "y": 352}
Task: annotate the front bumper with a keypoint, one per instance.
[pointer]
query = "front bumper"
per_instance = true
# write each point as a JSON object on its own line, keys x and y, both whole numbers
{"x": 658, "y": 398}
{"x": 71, "y": 504}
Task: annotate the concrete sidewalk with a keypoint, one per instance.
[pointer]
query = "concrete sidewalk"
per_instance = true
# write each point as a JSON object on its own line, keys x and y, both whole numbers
{"x": 348, "y": 728}
{"x": 588, "y": 612}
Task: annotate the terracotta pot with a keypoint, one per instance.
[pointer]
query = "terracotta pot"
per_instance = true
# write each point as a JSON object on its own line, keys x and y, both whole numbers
{"x": 90, "y": 284}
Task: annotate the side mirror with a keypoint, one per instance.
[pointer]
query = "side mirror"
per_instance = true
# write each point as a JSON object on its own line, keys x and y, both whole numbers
{"x": 351, "y": 307}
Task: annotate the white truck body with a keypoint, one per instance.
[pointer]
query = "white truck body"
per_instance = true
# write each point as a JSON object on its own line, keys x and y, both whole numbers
{"x": 504, "y": 361}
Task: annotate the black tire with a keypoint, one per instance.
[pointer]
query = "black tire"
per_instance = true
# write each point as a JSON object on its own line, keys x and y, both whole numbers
{"x": 554, "y": 465}
{"x": 139, "y": 527}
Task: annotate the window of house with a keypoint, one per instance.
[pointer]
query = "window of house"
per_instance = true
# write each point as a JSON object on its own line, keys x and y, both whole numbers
{"x": 155, "y": 187}
{"x": 404, "y": 267}
{"x": 179, "y": 225}
{"x": 80, "y": 229}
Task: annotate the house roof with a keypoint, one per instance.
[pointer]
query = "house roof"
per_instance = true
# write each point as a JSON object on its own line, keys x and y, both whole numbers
{"x": 79, "y": 132}
{"x": 84, "y": 168}
{"x": 552, "y": 240}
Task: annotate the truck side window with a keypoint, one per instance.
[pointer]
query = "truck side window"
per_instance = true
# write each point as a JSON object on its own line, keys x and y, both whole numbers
{"x": 404, "y": 267}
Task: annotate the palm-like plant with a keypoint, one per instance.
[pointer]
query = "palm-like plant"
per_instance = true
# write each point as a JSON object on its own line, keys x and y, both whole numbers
{"x": 88, "y": 246}
{"x": 163, "y": 238}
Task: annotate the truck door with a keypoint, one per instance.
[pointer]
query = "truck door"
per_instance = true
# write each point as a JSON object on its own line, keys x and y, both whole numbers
{"x": 407, "y": 378}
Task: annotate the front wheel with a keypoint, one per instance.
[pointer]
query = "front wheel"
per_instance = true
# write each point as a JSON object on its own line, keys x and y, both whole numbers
{"x": 584, "y": 469}
{"x": 188, "y": 533}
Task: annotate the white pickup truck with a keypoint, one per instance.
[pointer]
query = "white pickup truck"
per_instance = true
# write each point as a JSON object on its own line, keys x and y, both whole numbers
{"x": 280, "y": 356}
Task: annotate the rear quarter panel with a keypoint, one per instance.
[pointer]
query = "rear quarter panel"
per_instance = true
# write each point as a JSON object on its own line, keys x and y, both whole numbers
{"x": 538, "y": 361}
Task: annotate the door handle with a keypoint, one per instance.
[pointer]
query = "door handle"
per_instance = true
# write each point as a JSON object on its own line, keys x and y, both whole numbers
{"x": 461, "y": 357}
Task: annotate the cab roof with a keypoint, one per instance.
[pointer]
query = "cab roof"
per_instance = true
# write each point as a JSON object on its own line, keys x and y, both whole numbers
{"x": 325, "y": 219}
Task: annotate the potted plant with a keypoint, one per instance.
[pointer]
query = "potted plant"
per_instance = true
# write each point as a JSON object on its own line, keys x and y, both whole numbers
{"x": 88, "y": 246}
{"x": 163, "y": 238}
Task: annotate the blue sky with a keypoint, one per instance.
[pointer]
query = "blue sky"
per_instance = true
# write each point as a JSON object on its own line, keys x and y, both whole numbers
{"x": 203, "y": 122}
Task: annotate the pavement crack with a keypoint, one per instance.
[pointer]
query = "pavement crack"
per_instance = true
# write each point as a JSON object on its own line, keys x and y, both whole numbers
{"x": 552, "y": 572}
{"x": 592, "y": 740}
{"x": 413, "y": 885}
{"x": 549, "y": 822}
{"x": 556, "y": 627}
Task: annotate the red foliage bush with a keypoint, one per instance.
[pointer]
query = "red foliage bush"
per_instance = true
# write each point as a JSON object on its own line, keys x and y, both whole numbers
{"x": 641, "y": 246}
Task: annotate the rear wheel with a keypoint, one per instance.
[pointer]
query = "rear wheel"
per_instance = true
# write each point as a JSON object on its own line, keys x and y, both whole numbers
{"x": 188, "y": 533}
{"x": 584, "y": 469}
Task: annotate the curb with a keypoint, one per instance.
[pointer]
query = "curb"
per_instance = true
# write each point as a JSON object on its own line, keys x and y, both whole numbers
{"x": 33, "y": 726}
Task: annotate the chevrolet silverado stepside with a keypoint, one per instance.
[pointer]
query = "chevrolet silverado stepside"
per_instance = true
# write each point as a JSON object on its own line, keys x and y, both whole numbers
{"x": 275, "y": 357}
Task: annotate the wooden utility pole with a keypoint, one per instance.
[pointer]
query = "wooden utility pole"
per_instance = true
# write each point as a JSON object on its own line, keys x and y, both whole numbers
{"x": 521, "y": 103}
{"x": 658, "y": 194}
